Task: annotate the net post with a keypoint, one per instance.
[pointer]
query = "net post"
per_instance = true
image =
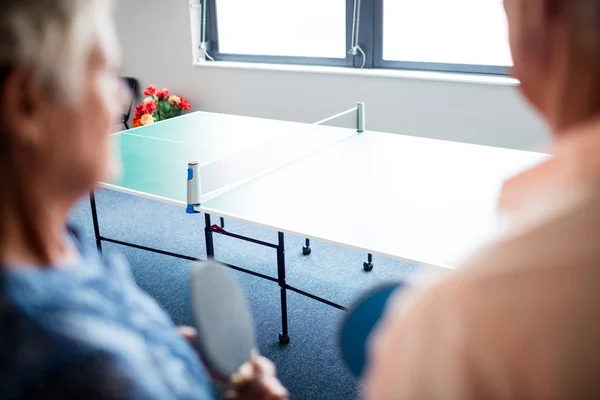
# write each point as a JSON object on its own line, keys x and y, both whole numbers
{"x": 361, "y": 121}
{"x": 193, "y": 187}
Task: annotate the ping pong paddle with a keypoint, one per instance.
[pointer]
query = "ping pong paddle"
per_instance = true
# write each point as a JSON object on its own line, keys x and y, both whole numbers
{"x": 220, "y": 312}
{"x": 358, "y": 324}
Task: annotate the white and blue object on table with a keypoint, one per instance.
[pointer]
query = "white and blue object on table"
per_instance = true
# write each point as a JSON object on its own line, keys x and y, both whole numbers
{"x": 193, "y": 188}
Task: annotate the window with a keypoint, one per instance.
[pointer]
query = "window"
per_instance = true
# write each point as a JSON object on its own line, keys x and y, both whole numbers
{"x": 444, "y": 35}
{"x": 282, "y": 28}
{"x": 279, "y": 31}
{"x": 458, "y": 32}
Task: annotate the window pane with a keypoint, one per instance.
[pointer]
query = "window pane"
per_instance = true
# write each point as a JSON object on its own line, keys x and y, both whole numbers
{"x": 446, "y": 31}
{"x": 307, "y": 28}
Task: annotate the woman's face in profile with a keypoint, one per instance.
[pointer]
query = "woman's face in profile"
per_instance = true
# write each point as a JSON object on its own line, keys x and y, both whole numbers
{"x": 64, "y": 133}
{"x": 95, "y": 116}
{"x": 87, "y": 124}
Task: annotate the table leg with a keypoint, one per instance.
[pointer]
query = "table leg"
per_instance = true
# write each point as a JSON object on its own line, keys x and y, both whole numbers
{"x": 306, "y": 250}
{"x": 368, "y": 266}
{"x": 95, "y": 220}
{"x": 208, "y": 235}
{"x": 284, "y": 337}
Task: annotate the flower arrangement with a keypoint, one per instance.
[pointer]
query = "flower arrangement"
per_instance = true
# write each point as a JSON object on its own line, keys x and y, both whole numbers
{"x": 158, "y": 106}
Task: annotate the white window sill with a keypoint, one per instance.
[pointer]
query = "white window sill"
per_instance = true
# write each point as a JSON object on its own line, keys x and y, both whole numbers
{"x": 385, "y": 73}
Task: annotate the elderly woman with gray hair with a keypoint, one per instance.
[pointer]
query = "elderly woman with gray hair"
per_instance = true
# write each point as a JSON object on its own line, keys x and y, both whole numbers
{"x": 73, "y": 324}
{"x": 521, "y": 319}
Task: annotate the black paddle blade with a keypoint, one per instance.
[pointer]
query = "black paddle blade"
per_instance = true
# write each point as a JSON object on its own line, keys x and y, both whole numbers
{"x": 221, "y": 314}
{"x": 358, "y": 324}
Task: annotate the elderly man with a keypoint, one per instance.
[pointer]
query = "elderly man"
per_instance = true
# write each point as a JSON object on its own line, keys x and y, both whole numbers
{"x": 521, "y": 319}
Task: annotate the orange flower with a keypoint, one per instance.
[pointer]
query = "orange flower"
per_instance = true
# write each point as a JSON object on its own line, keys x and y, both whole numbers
{"x": 147, "y": 119}
{"x": 174, "y": 100}
{"x": 137, "y": 122}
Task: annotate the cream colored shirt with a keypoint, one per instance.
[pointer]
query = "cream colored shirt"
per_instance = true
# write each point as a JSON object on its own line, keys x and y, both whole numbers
{"x": 521, "y": 320}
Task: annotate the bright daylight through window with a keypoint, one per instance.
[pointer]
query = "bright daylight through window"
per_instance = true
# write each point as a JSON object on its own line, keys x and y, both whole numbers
{"x": 307, "y": 28}
{"x": 444, "y": 35}
{"x": 446, "y": 31}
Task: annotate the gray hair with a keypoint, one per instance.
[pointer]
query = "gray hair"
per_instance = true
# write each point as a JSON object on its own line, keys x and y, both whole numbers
{"x": 51, "y": 37}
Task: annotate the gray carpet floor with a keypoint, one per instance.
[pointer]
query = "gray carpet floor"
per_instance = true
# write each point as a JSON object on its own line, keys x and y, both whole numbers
{"x": 310, "y": 366}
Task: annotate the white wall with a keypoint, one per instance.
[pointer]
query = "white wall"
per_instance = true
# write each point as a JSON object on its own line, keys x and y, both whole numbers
{"x": 156, "y": 43}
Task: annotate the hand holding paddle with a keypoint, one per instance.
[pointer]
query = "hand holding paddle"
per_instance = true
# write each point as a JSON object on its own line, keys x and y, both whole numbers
{"x": 225, "y": 337}
{"x": 256, "y": 380}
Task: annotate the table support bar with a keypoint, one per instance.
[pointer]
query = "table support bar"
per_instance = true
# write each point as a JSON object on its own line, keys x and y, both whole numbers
{"x": 209, "y": 231}
{"x": 95, "y": 220}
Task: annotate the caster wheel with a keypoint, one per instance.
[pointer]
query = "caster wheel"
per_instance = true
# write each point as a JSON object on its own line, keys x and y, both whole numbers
{"x": 284, "y": 339}
{"x": 368, "y": 266}
{"x": 306, "y": 250}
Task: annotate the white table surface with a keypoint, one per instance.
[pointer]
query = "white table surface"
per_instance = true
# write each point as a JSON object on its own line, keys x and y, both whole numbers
{"x": 425, "y": 201}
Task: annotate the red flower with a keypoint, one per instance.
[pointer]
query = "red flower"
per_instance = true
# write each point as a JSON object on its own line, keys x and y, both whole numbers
{"x": 140, "y": 110}
{"x": 161, "y": 94}
{"x": 150, "y": 90}
{"x": 149, "y": 107}
{"x": 185, "y": 105}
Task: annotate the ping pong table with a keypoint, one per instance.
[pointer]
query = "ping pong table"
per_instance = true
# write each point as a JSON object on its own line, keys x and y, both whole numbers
{"x": 428, "y": 202}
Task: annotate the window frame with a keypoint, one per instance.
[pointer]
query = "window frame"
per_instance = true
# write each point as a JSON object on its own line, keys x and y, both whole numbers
{"x": 212, "y": 33}
{"x": 380, "y": 62}
{"x": 370, "y": 40}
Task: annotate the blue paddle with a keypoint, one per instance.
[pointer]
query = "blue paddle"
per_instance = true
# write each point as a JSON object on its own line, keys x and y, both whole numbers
{"x": 358, "y": 324}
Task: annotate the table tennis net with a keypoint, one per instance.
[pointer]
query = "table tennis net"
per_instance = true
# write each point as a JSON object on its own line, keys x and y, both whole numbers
{"x": 232, "y": 171}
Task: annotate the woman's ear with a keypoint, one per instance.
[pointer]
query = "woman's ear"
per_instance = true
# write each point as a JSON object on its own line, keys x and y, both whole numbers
{"x": 21, "y": 101}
